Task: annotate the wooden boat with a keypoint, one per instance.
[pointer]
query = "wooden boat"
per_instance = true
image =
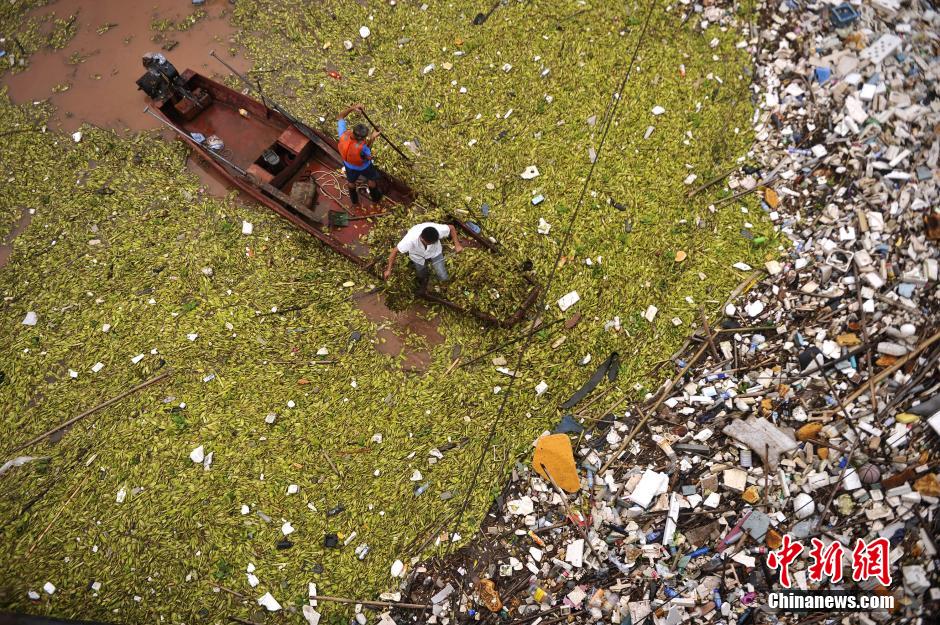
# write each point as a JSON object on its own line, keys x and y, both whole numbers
{"x": 291, "y": 168}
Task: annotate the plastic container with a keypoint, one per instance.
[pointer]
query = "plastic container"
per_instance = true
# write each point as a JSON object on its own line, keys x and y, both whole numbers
{"x": 540, "y": 594}
{"x": 843, "y": 15}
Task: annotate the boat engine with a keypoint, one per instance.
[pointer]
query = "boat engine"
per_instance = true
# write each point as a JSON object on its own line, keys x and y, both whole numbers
{"x": 161, "y": 78}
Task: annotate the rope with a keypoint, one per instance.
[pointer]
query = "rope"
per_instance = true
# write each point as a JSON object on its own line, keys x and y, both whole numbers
{"x": 609, "y": 115}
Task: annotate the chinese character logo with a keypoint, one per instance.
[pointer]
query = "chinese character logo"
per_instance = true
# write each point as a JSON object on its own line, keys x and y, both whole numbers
{"x": 784, "y": 557}
{"x": 826, "y": 561}
{"x": 871, "y": 560}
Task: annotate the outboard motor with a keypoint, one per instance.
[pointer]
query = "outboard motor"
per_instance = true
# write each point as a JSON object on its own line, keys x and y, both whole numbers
{"x": 163, "y": 84}
{"x": 161, "y": 77}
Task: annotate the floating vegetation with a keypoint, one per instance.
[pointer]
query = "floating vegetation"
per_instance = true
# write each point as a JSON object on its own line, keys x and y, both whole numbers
{"x": 105, "y": 27}
{"x": 24, "y": 36}
{"x": 481, "y": 280}
{"x": 167, "y": 24}
{"x": 132, "y": 271}
{"x": 77, "y": 58}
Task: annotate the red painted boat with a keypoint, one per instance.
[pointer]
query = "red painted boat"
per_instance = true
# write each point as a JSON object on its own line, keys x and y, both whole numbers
{"x": 289, "y": 167}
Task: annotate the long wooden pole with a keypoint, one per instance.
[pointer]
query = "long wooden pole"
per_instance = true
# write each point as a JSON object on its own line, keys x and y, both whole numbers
{"x": 881, "y": 375}
{"x": 378, "y": 604}
{"x": 571, "y": 517}
{"x": 58, "y": 512}
{"x": 382, "y": 134}
{"x": 644, "y": 418}
{"x": 92, "y": 411}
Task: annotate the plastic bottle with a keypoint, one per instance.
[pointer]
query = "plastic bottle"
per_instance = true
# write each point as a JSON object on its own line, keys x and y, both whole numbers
{"x": 539, "y": 594}
{"x": 623, "y": 568}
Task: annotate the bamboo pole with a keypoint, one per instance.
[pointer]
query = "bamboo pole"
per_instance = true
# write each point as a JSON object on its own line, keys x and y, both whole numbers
{"x": 92, "y": 411}
{"x": 382, "y": 134}
{"x": 378, "y": 604}
{"x": 645, "y": 418}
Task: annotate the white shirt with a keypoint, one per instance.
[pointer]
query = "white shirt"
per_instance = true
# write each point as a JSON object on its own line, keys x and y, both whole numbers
{"x": 412, "y": 245}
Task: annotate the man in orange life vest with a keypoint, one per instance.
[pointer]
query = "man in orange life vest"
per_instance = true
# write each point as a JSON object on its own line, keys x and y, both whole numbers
{"x": 355, "y": 148}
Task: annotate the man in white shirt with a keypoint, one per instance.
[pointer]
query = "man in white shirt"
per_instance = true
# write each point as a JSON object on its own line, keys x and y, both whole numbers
{"x": 422, "y": 243}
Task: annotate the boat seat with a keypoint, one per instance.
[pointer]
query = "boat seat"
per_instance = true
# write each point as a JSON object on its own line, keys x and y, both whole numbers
{"x": 294, "y": 140}
{"x": 260, "y": 173}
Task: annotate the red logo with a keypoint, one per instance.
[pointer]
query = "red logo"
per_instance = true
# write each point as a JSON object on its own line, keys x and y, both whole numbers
{"x": 871, "y": 560}
{"x": 826, "y": 561}
{"x": 868, "y": 560}
{"x": 784, "y": 557}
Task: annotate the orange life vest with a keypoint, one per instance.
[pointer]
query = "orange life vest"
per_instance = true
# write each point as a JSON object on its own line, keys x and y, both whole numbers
{"x": 351, "y": 150}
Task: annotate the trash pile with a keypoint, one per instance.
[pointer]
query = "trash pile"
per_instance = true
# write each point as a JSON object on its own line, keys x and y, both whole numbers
{"x": 810, "y": 412}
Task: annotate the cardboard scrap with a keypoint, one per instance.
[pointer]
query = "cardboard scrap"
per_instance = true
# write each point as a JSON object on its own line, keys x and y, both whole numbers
{"x": 554, "y": 453}
{"x": 763, "y": 437}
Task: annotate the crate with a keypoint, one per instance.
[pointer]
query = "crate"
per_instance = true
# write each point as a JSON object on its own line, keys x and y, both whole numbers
{"x": 843, "y": 15}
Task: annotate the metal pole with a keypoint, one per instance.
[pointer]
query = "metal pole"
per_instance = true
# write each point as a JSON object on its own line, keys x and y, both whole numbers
{"x": 204, "y": 148}
{"x": 304, "y": 128}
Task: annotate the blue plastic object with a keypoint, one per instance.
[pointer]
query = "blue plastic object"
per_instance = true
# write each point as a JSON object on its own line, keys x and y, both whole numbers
{"x": 843, "y": 15}
{"x": 822, "y": 74}
{"x": 474, "y": 227}
{"x": 568, "y": 426}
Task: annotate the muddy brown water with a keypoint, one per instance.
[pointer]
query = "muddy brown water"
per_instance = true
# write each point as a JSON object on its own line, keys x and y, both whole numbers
{"x": 101, "y": 86}
{"x": 101, "y": 92}
{"x": 392, "y": 338}
{"x": 6, "y": 248}
{"x": 101, "y": 89}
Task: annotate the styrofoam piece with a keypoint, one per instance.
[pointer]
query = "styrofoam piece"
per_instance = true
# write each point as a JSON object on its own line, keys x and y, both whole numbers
{"x": 877, "y": 51}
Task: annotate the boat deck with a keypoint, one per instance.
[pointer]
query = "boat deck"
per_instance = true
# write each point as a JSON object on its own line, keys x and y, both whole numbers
{"x": 242, "y": 148}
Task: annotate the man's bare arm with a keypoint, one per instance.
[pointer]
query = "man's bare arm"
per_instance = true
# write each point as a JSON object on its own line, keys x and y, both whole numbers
{"x": 453, "y": 237}
{"x": 391, "y": 263}
{"x": 350, "y": 109}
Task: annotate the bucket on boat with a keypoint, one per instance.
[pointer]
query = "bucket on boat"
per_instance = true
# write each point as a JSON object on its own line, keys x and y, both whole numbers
{"x": 271, "y": 158}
